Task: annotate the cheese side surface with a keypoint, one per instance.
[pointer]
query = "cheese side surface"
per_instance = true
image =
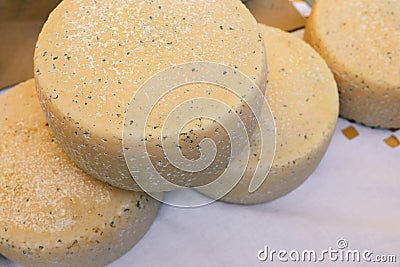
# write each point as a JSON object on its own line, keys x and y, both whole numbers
{"x": 303, "y": 98}
{"x": 360, "y": 41}
{"x": 51, "y": 212}
{"x": 92, "y": 56}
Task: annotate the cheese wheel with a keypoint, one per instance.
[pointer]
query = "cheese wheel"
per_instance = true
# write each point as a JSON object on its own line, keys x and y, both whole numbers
{"x": 303, "y": 98}
{"x": 51, "y": 212}
{"x": 360, "y": 41}
{"x": 93, "y": 56}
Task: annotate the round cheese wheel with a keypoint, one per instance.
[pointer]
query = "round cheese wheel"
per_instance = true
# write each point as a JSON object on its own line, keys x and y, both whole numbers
{"x": 51, "y": 212}
{"x": 93, "y": 56}
{"x": 303, "y": 98}
{"x": 360, "y": 41}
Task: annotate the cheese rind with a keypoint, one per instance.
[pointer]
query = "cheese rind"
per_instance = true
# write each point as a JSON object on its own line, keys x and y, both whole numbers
{"x": 360, "y": 41}
{"x": 51, "y": 212}
{"x": 303, "y": 98}
{"x": 92, "y": 56}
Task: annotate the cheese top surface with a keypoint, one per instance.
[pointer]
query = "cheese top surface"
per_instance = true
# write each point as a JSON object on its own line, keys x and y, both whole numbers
{"x": 42, "y": 192}
{"x": 361, "y": 37}
{"x": 92, "y": 56}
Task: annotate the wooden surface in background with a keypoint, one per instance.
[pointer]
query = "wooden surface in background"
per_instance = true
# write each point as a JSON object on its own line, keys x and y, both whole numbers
{"x": 276, "y": 13}
{"x": 23, "y": 10}
{"x": 20, "y": 24}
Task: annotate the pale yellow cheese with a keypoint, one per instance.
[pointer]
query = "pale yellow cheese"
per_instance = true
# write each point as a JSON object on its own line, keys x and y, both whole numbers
{"x": 303, "y": 98}
{"x": 360, "y": 41}
{"x": 92, "y": 56}
{"x": 51, "y": 212}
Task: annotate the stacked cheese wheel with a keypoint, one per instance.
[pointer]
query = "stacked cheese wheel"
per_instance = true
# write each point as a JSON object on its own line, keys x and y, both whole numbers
{"x": 303, "y": 97}
{"x": 92, "y": 57}
{"x": 51, "y": 212}
{"x": 360, "y": 41}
